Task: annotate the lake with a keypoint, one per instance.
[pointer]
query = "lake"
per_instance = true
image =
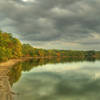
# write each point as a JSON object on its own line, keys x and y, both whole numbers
{"x": 43, "y": 79}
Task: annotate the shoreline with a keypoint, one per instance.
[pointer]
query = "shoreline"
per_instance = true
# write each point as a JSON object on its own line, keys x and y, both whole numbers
{"x": 12, "y": 62}
{"x": 9, "y": 63}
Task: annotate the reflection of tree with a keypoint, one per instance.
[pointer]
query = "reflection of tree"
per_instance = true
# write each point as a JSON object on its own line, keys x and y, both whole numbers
{"x": 28, "y": 65}
{"x": 15, "y": 73}
{"x": 16, "y": 70}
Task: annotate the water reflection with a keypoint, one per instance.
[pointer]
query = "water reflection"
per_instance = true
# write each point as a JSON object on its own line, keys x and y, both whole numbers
{"x": 54, "y": 79}
{"x": 15, "y": 73}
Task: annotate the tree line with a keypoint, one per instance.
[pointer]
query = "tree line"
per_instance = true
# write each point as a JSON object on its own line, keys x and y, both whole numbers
{"x": 11, "y": 47}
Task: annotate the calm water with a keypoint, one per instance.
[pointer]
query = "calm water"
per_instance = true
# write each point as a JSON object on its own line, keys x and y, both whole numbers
{"x": 40, "y": 80}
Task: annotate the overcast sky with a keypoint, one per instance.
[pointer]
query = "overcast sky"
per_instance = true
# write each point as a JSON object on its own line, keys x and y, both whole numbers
{"x": 55, "y": 24}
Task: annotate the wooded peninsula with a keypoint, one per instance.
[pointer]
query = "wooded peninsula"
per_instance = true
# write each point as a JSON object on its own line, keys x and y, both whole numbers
{"x": 12, "y": 48}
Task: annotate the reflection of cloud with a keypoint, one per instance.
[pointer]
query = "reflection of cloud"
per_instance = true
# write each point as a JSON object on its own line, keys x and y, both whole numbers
{"x": 58, "y": 67}
{"x": 96, "y": 76}
{"x": 28, "y": 0}
{"x": 74, "y": 84}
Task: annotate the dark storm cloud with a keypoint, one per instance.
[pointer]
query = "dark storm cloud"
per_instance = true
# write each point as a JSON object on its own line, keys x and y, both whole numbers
{"x": 76, "y": 21}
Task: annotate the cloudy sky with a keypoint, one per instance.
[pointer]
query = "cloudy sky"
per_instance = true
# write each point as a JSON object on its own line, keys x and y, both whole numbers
{"x": 57, "y": 24}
